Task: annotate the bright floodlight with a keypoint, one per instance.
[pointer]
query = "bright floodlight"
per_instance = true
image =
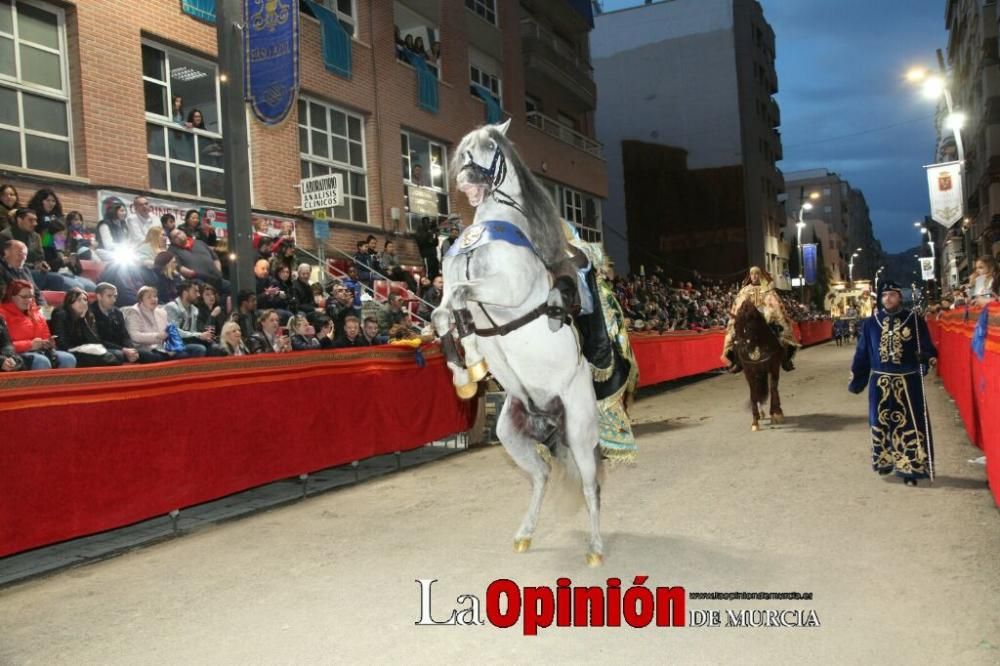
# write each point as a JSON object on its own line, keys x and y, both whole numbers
{"x": 814, "y": 195}
{"x": 807, "y": 206}
{"x": 917, "y": 224}
{"x": 955, "y": 121}
{"x": 916, "y": 74}
{"x": 933, "y": 87}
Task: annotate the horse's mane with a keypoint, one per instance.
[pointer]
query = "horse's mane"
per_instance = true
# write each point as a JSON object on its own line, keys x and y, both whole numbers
{"x": 753, "y": 323}
{"x": 542, "y": 224}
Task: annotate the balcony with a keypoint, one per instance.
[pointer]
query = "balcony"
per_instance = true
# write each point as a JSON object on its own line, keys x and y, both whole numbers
{"x": 565, "y": 134}
{"x": 555, "y": 60}
{"x": 774, "y": 113}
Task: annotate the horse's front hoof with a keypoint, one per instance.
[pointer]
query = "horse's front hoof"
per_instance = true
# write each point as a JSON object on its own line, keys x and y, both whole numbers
{"x": 478, "y": 370}
{"x": 467, "y": 391}
{"x": 777, "y": 419}
{"x": 754, "y": 427}
{"x": 522, "y": 545}
{"x": 594, "y": 560}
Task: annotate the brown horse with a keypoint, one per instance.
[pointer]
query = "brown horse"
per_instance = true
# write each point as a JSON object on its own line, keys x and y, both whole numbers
{"x": 760, "y": 352}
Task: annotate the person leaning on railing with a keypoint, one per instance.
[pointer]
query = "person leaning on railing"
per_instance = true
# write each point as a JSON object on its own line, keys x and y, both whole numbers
{"x": 75, "y": 330}
{"x": 983, "y": 284}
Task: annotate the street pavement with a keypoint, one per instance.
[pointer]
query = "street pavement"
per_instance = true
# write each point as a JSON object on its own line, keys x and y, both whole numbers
{"x": 897, "y": 575}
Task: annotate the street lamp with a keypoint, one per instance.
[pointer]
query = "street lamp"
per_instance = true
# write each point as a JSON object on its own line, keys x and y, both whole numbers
{"x": 850, "y": 269}
{"x": 800, "y": 225}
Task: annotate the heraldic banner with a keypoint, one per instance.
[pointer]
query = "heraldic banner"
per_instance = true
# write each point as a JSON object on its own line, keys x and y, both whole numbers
{"x": 271, "y": 57}
{"x": 809, "y": 262}
{"x": 944, "y": 182}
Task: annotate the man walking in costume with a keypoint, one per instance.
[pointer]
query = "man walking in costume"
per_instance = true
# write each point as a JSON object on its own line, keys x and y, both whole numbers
{"x": 893, "y": 353}
{"x": 756, "y": 287}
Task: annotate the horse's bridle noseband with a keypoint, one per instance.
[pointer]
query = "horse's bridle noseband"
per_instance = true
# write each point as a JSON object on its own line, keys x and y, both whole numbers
{"x": 494, "y": 177}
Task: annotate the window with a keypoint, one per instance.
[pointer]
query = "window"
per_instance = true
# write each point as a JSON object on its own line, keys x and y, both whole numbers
{"x": 331, "y": 140}
{"x": 487, "y": 9}
{"x": 583, "y": 212}
{"x": 425, "y": 164}
{"x": 34, "y": 99}
{"x": 345, "y": 11}
{"x": 184, "y": 155}
{"x": 532, "y": 104}
{"x": 485, "y": 71}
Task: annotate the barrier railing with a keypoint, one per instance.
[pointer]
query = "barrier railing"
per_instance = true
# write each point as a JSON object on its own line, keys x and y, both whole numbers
{"x": 972, "y": 378}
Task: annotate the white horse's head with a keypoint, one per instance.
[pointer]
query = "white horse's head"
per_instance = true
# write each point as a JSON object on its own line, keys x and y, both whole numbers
{"x": 499, "y": 185}
{"x": 480, "y": 165}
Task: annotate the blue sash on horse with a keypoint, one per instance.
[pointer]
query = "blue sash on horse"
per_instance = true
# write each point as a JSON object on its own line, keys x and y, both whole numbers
{"x": 481, "y": 233}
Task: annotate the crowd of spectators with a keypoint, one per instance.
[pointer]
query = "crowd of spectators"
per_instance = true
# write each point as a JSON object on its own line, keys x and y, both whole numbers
{"x": 163, "y": 291}
{"x": 658, "y": 304}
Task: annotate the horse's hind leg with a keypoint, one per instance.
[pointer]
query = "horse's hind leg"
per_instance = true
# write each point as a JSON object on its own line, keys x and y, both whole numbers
{"x": 755, "y": 425}
{"x": 777, "y": 416}
{"x": 521, "y": 448}
{"x": 581, "y": 437}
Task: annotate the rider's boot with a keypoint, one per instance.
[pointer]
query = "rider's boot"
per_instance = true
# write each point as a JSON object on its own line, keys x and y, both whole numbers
{"x": 786, "y": 362}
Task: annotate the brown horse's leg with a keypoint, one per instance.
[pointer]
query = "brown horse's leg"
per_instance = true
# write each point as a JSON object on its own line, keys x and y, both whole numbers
{"x": 748, "y": 373}
{"x": 777, "y": 416}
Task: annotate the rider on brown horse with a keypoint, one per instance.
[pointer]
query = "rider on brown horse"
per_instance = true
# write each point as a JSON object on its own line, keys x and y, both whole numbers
{"x": 758, "y": 289}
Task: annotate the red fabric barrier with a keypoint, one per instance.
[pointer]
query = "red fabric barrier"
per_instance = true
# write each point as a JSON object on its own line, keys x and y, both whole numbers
{"x": 813, "y": 332}
{"x": 662, "y": 358}
{"x": 87, "y": 451}
{"x": 972, "y": 382}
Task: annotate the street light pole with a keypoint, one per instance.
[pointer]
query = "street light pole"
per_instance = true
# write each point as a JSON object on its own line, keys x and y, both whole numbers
{"x": 800, "y": 225}
{"x": 236, "y": 162}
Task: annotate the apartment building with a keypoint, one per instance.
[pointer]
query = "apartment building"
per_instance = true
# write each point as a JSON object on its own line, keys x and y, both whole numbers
{"x": 96, "y": 100}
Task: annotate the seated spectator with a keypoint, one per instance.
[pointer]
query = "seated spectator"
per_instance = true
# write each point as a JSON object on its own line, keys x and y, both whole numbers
{"x": 75, "y": 331}
{"x": 302, "y": 290}
{"x": 362, "y": 260}
{"x": 211, "y": 314}
{"x": 110, "y": 324}
{"x": 246, "y": 312}
{"x": 168, "y": 222}
{"x": 369, "y": 330}
{"x": 153, "y": 244}
{"x": 42, "y": 274}
{"x": 9, "y": 203}
{"x": 270, "y": 295}
{"x": 353, "y": 284}
{"x": 78, "y": 241}
{"x": 10, "y": 361}
{"x": 303, "y": 334}
{"x": 112, "y": 235}
{"x": 283, "y": 254}
{"x": 56, "y": 246}
{"x": 351, "y": 336}
{"x": 341, "y": 306}
{"x": 12, "y": 267}
{"x": 283, "y": 278}
{"x": 147, "y": 327}
{"x": 140, "y": 221}
{"x": 166, "y": 276}
{"x": 182, "y": 312}
{"x": 29, "y": 331}
{"x": 269, "y": 339}
{"x": 231, "y": 340}
{"x": 197, "y": 261}
{"x": 327, "y": 333}
{"x": 392, "y": 313}
{"x": 433, "y": 297}
{"x": 402, "y": 335}
{"x": 265, "y": 248}
{"x": 47, "y": 207}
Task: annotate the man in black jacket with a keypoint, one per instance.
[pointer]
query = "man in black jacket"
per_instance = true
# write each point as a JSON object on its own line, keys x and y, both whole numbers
{"x": 351, "y": 334}
{"x": 111, "y": 324}
{"x": 10, "y": 361}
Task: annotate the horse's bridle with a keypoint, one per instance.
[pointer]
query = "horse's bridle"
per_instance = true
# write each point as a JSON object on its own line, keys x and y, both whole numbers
{"x": 494, "y": 176}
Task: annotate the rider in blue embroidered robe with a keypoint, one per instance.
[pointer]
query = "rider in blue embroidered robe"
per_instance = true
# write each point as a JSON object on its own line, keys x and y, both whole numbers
{"x": 893, "y": 352}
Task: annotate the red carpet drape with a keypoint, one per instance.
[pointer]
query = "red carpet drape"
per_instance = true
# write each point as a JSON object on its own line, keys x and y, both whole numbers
{"x": 87, "y": 451}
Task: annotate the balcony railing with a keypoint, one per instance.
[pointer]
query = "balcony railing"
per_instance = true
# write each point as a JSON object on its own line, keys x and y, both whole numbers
{"x": 531, "y": 28}
{"x": 565, "y": 134}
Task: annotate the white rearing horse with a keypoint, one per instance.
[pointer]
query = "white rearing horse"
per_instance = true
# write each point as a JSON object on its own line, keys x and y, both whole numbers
{"x": 498, "y": 294}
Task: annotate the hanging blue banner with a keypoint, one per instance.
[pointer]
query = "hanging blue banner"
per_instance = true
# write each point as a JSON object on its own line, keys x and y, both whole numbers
{"x": 809, "y": 262}
{"x": 271, "y": 57}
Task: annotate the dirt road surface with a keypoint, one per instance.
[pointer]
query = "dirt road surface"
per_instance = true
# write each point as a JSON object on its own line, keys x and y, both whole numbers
{"x": 898, "y": 575}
